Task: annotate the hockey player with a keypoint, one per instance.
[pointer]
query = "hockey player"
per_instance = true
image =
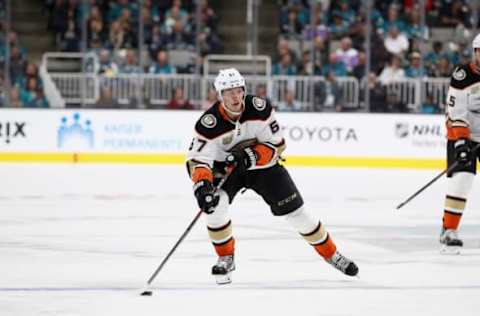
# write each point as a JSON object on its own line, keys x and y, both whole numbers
{"x": 240, "y": 133}
{"x": 463, "y": 131}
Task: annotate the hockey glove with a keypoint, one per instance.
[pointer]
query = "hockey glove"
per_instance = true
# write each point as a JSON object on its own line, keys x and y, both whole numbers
{"x": 463, "y": 151}
{"x": 243, "y": 159}
{"x": 205, "y": 194}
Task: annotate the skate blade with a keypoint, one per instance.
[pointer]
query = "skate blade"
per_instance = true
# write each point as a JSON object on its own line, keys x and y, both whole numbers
{"x": 223, "y": 278}
{"x": 450, "y": 250}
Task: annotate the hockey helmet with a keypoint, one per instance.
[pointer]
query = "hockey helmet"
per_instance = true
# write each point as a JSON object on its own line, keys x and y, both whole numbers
{"x": 476, "y": 42}
{"x": 227, "y": 79}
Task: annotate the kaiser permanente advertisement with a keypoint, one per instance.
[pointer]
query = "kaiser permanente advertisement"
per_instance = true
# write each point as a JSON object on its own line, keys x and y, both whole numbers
{"x": 313, "y": 139}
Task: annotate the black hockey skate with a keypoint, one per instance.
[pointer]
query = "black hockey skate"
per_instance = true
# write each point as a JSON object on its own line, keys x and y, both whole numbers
{"x": 342, "y": 263}
{"x": 451, "y": 244}
{"x": 222, "y": 270}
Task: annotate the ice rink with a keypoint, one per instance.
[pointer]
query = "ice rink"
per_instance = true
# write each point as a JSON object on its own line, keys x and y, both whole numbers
{"x": 83, "y": 240}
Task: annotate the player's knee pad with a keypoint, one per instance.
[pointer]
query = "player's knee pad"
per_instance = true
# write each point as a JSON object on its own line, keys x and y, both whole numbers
{"x": 459, "y": 184}
{"x": 220, "y": 215}
{"x": 302, "y": 220}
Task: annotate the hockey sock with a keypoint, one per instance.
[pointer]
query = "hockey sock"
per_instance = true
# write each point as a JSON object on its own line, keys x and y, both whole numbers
{"x": 313, "y": 232}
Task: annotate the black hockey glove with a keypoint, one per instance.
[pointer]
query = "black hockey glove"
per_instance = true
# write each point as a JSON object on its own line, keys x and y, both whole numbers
{"x": 206, "y": 197}
{"x": 242, "y": 159}
{"x": 463, "y": 151}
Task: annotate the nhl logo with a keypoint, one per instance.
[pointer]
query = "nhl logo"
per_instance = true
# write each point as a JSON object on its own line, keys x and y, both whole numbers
{"x": 401, "y": 129}
{"x": 209, "y": 121}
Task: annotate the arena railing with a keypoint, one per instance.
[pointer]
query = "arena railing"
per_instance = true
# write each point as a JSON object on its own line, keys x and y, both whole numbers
{"x": 158, "y": 89}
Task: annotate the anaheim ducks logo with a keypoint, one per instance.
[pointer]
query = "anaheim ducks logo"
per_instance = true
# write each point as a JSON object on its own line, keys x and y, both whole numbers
{"x": 209, "y": 121}
{"x": 459, "y": 74}
{"x": 259, "y": 104}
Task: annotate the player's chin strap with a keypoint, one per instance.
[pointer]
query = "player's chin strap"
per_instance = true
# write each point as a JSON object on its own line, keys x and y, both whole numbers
{"x": 233, "y": 113}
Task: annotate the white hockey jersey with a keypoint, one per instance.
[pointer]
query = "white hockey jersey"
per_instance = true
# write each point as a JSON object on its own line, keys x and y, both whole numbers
{"x": 463, "y": 103}
{"x": 216, "y": 135}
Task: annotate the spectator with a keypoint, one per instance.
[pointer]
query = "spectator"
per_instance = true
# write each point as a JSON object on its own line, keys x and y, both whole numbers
{"x": 283, "y": 48}
{"x": 320, "y": 54}
{"x": 334, "y": 65}
{"x": 379, "y": 56}
{"x": 395, "y": 103}
{"x": 38, "y": 101}
{"x": 178, "y": 38}
{"x": 178, "y": 101}
{"x": 429, "y": 106}
{"x": 415, "y": 69}
{"x": 360, "y": 69}
{"x": 305, "y": 68}
{"x": 393, "y": 20}
{"x": 396, "y": 42}
{"x": 95, "y": 26}
{"x": 414, "y": 28}
{"x": 289, "y": 104}
{"x": 28, "y": 93}
{"x": 211, "y": 99}
{"x": 329, "y": 94}
{"x": 15, "y": 101}
{"x": 346, "y": 13}
{"x": 285, "y": 67}
{"x": 347, "y": 54}
{"x": 392, "y": 72}
{"x": 455, "y": 13}
{"x": 339, "y": 27}
{"x": 117, "y": 36}
{"x": 130, "y": 66}
{"x": 119, "y": 6}
{"x": 443, "y": 68}
{"x": 155, "y": 42}
{"x": 106, "y": 101}
{"x": 291, "y": 27}
{"x": 71, "y": 35}
{"x": 377, "y": 94}
{"x": 161, "y": 65}
{"x": 106, "y": 66}
{"x": 433, "y": 56}
{"x": 319, "y": 29}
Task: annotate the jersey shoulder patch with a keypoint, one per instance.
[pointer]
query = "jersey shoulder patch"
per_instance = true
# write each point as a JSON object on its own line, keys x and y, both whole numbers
{"x": 211, "y": 124}
{"x": 256, "y": 108}
{"x": 463, "y": 77}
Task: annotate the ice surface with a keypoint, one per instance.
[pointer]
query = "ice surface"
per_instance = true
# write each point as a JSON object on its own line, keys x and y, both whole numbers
{"x": 84, "y": 239}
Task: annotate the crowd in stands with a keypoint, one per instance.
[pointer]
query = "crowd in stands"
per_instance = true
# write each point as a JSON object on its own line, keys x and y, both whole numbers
{"x": 328, "y": 40}
{"x": 325, "y": 40}
{"x": 113, "y": 26}
{"x": 26, "y": 87}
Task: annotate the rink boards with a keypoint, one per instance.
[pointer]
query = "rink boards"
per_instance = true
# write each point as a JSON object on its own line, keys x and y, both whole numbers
{"x": 138, "y": 136}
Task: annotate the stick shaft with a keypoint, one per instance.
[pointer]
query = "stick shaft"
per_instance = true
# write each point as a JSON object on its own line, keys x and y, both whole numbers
{"x": 185, "y": 233}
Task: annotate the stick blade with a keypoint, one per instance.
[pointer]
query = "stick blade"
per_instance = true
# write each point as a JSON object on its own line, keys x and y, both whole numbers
{"x": 146, "y": 293}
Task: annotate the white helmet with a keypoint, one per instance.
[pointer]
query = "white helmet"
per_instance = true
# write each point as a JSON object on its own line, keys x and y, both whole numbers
{"x": 476, "y": 42}
{"x": 227, "y": 79}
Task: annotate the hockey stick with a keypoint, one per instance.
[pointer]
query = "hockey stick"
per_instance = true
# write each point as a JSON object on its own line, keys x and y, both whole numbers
{"x": 147, "y": 291}
{"x": 453, "y": 166}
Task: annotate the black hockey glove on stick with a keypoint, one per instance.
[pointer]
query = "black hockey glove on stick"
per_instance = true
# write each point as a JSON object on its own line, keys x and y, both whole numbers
{"x": 206, "y": 197}
{"x": 242, "y": 160}
{"x": 463, "y": 151}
